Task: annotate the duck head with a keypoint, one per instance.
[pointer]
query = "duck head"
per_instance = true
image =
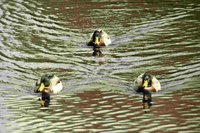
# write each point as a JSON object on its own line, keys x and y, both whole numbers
{"x": 43, "y": 83}
{"x": 146, "y": 80}
{"x": 96, "y": 37}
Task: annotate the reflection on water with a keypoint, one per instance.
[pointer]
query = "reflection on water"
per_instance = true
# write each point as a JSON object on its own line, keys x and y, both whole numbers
{"x": 50, "y": 36}
{"x": 98, "y": 111}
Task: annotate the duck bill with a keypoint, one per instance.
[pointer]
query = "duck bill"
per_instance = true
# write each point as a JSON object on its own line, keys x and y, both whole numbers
{"x": 145, "y": 84}
{"x": 41, "y": 88}
{"x": 97, "y": 40}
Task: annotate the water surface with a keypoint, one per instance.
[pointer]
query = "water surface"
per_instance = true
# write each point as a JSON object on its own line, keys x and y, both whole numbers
{"x": 161, "y": 38}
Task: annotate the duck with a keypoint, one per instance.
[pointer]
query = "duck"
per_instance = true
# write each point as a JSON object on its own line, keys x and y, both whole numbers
{"x": 46, "y": 85}
{"x": 147, "y": 84}
{"x": 99, "y": 38}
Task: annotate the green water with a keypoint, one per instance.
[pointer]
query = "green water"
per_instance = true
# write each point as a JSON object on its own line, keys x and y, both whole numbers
{"x": 161, "y": 38}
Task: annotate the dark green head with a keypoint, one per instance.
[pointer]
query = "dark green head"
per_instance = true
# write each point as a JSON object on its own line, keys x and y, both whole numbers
{"x": 96, "y": 37}
{"x": 146, "y": 80}
{"x": 43, "y": 82}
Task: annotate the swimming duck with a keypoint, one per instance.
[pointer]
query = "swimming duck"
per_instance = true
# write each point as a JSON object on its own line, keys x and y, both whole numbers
{"x": 99, "y": 38}
{"x": 48, "y": 83}
{"x": 147, "y": 82}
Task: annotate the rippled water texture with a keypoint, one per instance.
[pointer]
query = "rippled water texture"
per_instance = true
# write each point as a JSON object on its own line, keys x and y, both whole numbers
{"x": 161, "y": 38}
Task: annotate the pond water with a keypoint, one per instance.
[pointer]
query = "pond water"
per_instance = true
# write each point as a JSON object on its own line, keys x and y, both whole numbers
{"x": 38, "y": 37}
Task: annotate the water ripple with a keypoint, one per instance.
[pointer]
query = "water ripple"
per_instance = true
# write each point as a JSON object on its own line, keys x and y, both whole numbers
{"x": 38, "y": 37}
